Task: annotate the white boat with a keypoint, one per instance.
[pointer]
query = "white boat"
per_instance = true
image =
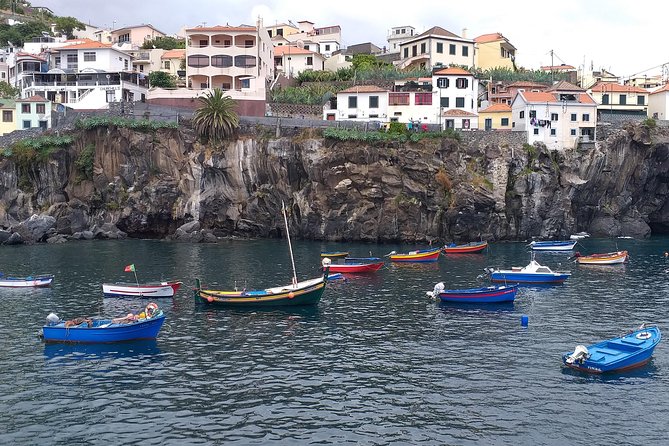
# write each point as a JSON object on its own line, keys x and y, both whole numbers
{"x": 532, "y": 273}
{"x": 162, "y": 289}
{"x": 550, "y": 245}
{"x": 26, "y": 282}
{"x": 579, "y": 236}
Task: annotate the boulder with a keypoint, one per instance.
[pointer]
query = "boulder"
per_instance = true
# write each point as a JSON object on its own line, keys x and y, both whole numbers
{"x": 56, "y": 239}
{"x": 35, "y": 228}
{"x": 4, "y": 236}
{"x": 14, "y": 239}
{"x": 108, "y": 231}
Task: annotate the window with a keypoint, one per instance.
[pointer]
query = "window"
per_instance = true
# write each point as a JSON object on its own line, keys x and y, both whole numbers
{"x": 459, "y": 102}
{"x": 605, "y": 99}
{"x": 465, "y": 51}
{"x": 279, "y": 32}
{"x": 554, "y": 116}
{"x": 89, "y": 56}
{"x": 352, "y": 116}
{"x": 269, "y": 31}
{"x": 26, "y": 124}
{"x": 440, "y": 47}
{"x": 167, "y": 65}
{"x": 533, "y": 114}
{"x": 327, "y": 47}
{"x": 7, "y": 116}
{"x": 111, "y": 96}
{"x": 141, "y": 68}
{"x": 125, "y": 64}
{"x": 572, "y": 132}
{"x": 461, "y": 82}
{"x": 573, "y": 117}
{"x": 246, "y": 83}
{"x": 640, "y": 100}
{"x": 72, "y": 61}
{"x": 414, "y": 50}
{"x": 444, "y": 102}
{"x": 25, "y": 108}
{"x": 398, "y": 99}
{"x": 505, "y": 122}
{"x": 423, "y": 48}
{"x": 40, "y": 108}
{"x": 198, "y": 61}
{"x": 352, "y": 102}
{"x": 124, "y": 38}
{"x": 451, "y": 49}
{"x": 522, "y": 115}
{"x": 310, "y": 60}
{"x": 56, "y": 61}
{"x": 373, "y": 102}
{"x": 536, "y": 131}
{"x": 442, "y": 82}
{"x": 423, "y": 99}
{"x": 623, "y": 99}
{"x": 248, "y": 44}
{"x": 43, "y": 125}
{"x": 406, "y": 52}
{"x": 221, "y": 61}
{"x": 553, "y": 132}
{"x": 586, "y": 117}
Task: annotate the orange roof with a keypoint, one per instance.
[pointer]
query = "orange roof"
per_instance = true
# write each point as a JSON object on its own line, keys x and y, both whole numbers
{"x": 487, "y": 38}
{"x": 364, "y": 89}
{"x": 662, "y": 89}
{"x": 562, "y": 67}
{"x": 92, "y": 44}
{"x": 585, "y": 98}
{"x": 456, "y": 112}
{"x": 224, "y": 28}
{"x": 35, "y": 98}
{"x": 293, "y": 50}
{"x": 604, "y": 87}
{"x": 497, "y": 108}
{"x": 173, "y": 54}
{"x": 538, "y": 96}
{"x": 29, "y": 56}
{"x": 453, "y": 71}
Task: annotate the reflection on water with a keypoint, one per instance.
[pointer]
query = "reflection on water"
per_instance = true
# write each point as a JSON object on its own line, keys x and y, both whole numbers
{"x": 74, "y": 351}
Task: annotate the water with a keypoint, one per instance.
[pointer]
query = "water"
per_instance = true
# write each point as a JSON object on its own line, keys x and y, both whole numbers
{"x": 376, "y": 362}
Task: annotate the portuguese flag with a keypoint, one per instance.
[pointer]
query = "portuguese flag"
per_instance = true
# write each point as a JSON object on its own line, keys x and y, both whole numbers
{"x": 129, "y": 268}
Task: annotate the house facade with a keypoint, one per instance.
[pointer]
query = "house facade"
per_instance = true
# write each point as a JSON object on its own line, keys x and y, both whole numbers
{"x": 504, "y": 92}
{"x": 359, "y": 103}
{"x": 173, "y": 62}
{"x": 397, "y": 36}
{"x": 133, "y": 37}
{"x": 7, "y": 116}
{"x": 21, "y": 65}
{"x": 33, "y": 112}
{"x": 457, "y": 90}
{"x": 495, "y": 117}
{"x": 658, "y": 103}
{"x": 616, "y": 99}
{"x": 291, "y": 60}
{"x": 434, "y": 47}
{"x": 494, "y": 51}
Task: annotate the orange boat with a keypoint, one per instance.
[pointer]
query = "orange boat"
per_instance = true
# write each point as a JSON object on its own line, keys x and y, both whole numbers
{"x": 468, "y": 248}
{"x": 609, "y": 258}
{"x": 422, "y": 256}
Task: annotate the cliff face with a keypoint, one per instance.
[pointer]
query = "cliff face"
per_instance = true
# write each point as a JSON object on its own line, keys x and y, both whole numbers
{"x": 150, "y": 184}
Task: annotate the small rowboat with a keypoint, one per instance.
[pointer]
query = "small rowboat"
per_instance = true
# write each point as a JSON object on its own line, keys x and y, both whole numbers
{"x": 26, "y": 282}
{"x": 468, "y": 248}
{"x": 566, "y": 245}
{"x": 357, "y": 265}
{"x": 334, "y": 254}
{"x": 609, "y": 258}
{"x": 490, "y": 294}
{"x": 579, "y": 236}
{"x": 615, "y": 355}
{"x": 128, "y": 328}
{"x": 163, "y": 289}
{"x": 532, "y": 273}
{"x": 424, "y": 256}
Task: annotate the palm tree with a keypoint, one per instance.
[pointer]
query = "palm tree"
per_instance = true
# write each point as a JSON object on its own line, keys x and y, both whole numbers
{"x": 216, "y": 118}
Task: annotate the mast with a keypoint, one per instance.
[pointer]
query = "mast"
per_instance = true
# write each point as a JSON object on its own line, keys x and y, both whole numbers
{"x": 290, "y": 245}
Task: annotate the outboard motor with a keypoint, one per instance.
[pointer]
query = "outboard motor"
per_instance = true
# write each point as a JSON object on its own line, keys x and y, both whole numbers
{"x": 438, "y": 288}
{"x": 580, "y": 354}
{"x": 52, "y": 319}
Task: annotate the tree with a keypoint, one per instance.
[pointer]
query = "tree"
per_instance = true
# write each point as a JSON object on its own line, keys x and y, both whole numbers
{"x": 8, "y": 92}
{"x": 165, "y": 43}
{"x": 161, "y": 79}
{"x": 67, "y": 25}
{"x": 216, "y": 117}
{"x": 366, "y": 62}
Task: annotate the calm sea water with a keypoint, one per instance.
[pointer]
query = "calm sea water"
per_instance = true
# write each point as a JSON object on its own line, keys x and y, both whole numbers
{"x": 376, "y": 362}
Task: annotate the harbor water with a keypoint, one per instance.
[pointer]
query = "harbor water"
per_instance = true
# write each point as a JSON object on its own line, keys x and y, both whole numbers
{"x": 375, "y": 362}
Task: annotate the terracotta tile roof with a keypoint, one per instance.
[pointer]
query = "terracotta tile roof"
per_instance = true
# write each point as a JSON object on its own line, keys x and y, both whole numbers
{"x": 562, "y": 67}
{"x": 522, "y": 84}
{"x": 29, "y": 56}
{"x": 437, "y": 31}
{"x": 662, "y": 89}
{"x": 138, "y": 26}
{"x": 84, "y": 46}
{"x": 456, "y": 112}
{"x": 364, "y": 89}
{"x": 453, "y": 71}
{"x": 497, "y": 108}
{"x": 538, "y": 96}
{"x": 610, "y": 87}
{"x": 35, "y": 98}
{"x": 293, "y": 50}
{"x": 564, "y": 86}
{"x": 223, "y": 28}
{"x": 585, "y": 98}
{"x": 174, "y": 54}
{"x": 487, "y": 38}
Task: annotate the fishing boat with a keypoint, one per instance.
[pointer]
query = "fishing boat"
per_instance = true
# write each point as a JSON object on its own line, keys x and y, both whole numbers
{"x": 357, "y": 265}
{"x": 162, "y": 289}
{"x": 579, "y": 236}
{"x": 468, "y": 248}
{"x": 423, "y": 256}
{"x": 625, "y": 352}
{"x": 26, "y": 282}
{"x": 609, "y": 258}
{"x": 532, "y": 273}
{"x": 90, "y": 330}
{"x": 334, "y": 254}
{"x": 307, "y": 292}
{"x": 489, "y": 294}
{"x": 548, "y": 245}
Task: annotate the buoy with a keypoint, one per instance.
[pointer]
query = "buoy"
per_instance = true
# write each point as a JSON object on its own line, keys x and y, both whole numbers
{"x": 210, "y": 299}
{"x": 291, "y": 295}
{"x": 524, "y": 320}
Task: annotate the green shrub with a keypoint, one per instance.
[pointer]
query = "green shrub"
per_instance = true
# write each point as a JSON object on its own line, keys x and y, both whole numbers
{"x": 142, "y": 125}
{"x": 380, "y": 136}
{"x": 31, "y": 150}
{"x": 649, "y": 123}
{"x": 84, "y": 162}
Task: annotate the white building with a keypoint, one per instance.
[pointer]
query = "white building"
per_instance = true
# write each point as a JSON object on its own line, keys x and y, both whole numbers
{"x": 360, "y": 103}
{"x": 291, "y": 60}
{"x": 397, "y": 36}
{"x": 457, "y": 91}
{"x": 658, "y": 103}
{"x": 561, "y": 117}
{"x": 434, "y": 47}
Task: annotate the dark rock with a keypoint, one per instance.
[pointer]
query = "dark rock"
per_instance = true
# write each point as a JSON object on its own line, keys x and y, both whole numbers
{"x": 14, "y": 239}
{"x": 57, "y": 239}
{"x": 4, "y": 236}
{"x": 35, "y": 228}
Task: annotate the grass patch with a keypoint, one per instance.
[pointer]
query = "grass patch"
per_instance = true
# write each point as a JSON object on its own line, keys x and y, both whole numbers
{"x": 84, "y": 163}
{"x": 380, "y": 136}
{"x": 141, "y": 125}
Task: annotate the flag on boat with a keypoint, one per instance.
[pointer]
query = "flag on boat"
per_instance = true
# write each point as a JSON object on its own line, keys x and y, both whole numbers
{"x": 130, "y": 268}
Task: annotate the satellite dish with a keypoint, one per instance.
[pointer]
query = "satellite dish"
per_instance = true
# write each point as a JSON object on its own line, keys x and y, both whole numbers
{"x": 300, "y": 44}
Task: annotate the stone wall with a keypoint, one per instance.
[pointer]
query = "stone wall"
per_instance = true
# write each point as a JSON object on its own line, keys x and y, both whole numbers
{"x": 295, "y": 110}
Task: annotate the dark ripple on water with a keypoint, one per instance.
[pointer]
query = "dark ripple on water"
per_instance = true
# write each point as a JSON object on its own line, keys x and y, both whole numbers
{"x": 376, "y": 362}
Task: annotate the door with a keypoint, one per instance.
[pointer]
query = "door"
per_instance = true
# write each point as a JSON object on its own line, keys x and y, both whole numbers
{"x": 488, "y": 124}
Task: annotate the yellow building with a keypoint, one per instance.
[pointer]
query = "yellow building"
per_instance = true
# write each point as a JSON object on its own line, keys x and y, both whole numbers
{"x": 8, "y": 112}
{"x": 494, "y": 51}
{"x": 495, "y": 117}
{"x": 282, "y": 30}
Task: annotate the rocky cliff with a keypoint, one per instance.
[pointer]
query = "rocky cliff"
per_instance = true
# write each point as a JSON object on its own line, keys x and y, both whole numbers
{"x": 166, "y": 184}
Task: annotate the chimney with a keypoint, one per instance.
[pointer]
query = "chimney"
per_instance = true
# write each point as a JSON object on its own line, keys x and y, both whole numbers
{"x": 464, "y": 33}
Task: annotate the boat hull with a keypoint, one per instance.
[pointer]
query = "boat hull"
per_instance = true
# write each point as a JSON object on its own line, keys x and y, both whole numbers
{"x": 143, "y": 329}
{"x": 603, "y": 259}
{"x": 356, "y": 267}
{"x": 553, "y": 246}
{"x": 306, "y": 293}
{"x": 469, "y": 248}
{"x": 167, "y": 289}
{"x": 26, "y": 282}
{"x": 335, "y": 254}
{"x": 519, "y": 277}
{"x": 618, "y": 354}
{"x": 424, "y": 256}
{"x": 494, "y": 294}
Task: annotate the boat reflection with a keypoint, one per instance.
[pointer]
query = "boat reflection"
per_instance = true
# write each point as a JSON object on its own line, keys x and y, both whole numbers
{"x": 475, "y": 308}
{"x": 114, "y": 350}
{"x": 647, "y": 371}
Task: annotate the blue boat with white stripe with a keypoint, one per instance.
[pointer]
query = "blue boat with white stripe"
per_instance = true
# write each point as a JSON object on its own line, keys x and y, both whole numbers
{"x": 534, "y": 273}
{"x": 566, "y": 245}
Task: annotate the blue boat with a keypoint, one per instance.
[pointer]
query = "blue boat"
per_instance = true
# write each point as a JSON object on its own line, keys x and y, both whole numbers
{"x": 566, "y": 245}
{"x": 533, "y": 273}
{"x": 615, "y": 355}
{"x": 489, "y": 294}
{"x": 89, "y": 330}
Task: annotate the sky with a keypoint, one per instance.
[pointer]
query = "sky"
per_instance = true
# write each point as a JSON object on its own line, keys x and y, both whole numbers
{"x": 617, "y": 35}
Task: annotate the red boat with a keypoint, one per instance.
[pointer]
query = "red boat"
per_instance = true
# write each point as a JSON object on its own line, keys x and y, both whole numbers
{"x": 468, "y": 248}
{"x": 357, "y": 265}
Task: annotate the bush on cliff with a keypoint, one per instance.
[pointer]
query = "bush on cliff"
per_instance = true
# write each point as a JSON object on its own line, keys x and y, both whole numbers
{"x": 30, "y": 150}
{"x": 142, "y": 125}
{"x": 380, "y": 136}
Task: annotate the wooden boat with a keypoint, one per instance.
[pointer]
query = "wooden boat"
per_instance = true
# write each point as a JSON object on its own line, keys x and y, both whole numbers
{"x": 163, "y": 289}
{"x": 579, "y": 236}
{"x": 307, "y": 292}
{"x": 615, "y": 355}
{"x": 609, "y": 258}
{"x": 357, "y": 265}
{"x": 467, "y": 248}
{"x": 89, "y": 330}
{"x": 532, "y": 273}
{"x": 334, "y": 254}
{"x": 490, "y": 294}
{"x": 564, "y": 245}
{"x": 26, "y": 282}
{"x": 424, "y": 255}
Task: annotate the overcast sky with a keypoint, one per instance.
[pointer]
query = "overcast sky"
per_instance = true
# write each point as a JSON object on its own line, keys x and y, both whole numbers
{"x": 618, "y": 35}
